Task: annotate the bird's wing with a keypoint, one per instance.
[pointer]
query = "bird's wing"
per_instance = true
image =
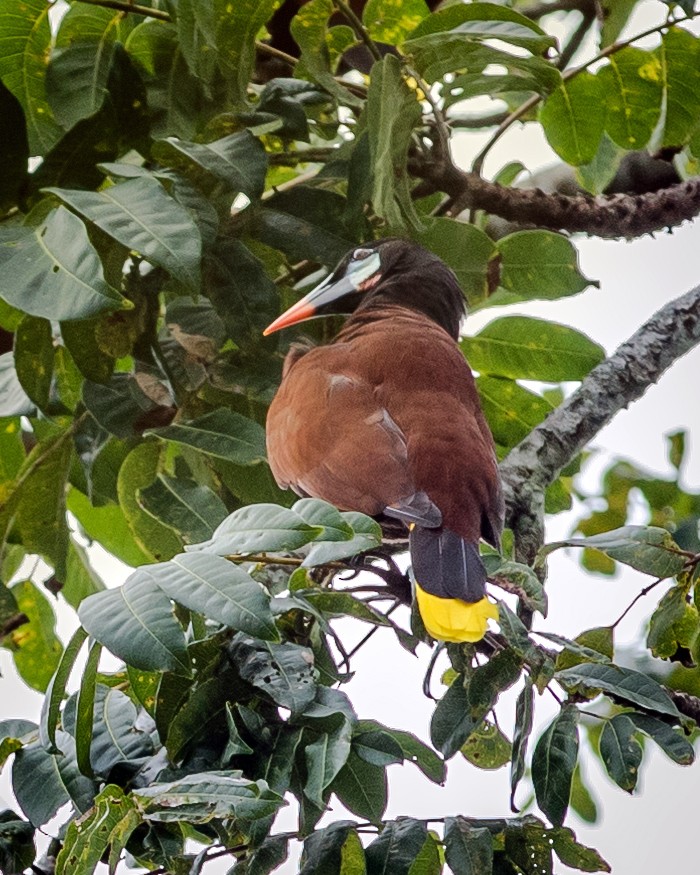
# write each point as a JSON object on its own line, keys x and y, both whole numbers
{"x": 329, "y": 437}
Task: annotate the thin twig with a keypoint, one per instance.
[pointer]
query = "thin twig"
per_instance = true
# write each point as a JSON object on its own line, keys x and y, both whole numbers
{"x": 360, "y": 30}
{"x": 640, "y": 595}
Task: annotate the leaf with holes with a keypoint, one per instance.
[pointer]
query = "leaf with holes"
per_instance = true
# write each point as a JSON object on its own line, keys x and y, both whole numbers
{"x": 53, "y": 271}
{"x": 142, "y": 216}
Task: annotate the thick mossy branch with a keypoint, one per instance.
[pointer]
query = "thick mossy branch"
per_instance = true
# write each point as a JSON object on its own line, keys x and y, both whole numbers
{"x": 618, "y": 381}
{"x": 608, "y": 216}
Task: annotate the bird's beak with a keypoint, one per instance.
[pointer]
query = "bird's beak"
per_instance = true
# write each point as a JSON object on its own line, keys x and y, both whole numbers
{"x": 358, "y": 277}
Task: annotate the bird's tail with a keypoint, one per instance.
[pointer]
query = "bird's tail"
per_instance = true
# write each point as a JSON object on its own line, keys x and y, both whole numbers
{"x": 450, "y": 585}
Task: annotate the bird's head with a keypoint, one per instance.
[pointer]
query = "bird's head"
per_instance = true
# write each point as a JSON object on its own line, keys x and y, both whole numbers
{"x": 390, "y": 271}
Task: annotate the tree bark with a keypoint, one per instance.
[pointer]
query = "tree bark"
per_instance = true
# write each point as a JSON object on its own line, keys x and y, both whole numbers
{"x": 614, "y": 384}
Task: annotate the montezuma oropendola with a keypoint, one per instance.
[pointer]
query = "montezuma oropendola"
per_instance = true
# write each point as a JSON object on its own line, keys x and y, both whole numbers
{"x": 386, "y": 419}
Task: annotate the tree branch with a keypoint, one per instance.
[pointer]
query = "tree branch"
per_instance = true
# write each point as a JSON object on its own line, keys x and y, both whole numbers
{"x": 607, "y": 216}
{"x": 613, "y": 385}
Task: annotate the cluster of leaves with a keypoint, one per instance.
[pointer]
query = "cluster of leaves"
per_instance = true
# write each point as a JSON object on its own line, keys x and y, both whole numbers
{"x": 185, "y": 185}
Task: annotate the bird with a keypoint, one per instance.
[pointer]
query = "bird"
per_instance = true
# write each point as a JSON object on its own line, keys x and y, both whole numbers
{"x": 386, "y": 420}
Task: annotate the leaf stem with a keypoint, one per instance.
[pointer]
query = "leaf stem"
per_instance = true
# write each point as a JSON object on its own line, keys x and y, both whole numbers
{"x": 359, "y": 28}
{"x": 640, "y": 595}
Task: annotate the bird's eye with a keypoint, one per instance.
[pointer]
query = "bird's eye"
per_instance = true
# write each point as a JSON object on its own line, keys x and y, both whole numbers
{"x": 361, "y": 254}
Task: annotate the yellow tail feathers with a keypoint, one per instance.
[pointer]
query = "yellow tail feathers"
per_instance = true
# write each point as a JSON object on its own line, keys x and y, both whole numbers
{"x": 449, "y": 619}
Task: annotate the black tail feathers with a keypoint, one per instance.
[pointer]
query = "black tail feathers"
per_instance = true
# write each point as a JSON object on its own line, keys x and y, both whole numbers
{"x": 447, "y": 566}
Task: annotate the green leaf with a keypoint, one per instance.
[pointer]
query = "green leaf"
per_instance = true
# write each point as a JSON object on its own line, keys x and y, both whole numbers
{"x": 679, "y": 54}
{"x": 42, "y": 782}
{"x": 323, "y": 850}
{"x": 194, "y": 511}
{"x": 109, "y": 824}
{"x": 34, "y": 358}
{"x": 176, "y": 99}
{"x": 237, "y": 28}
{"x": 466, "y": 249}
{"x": 468, "y": 849}
{"x": 320, "y": 513}
{"x": 217, "y": 589}
{"x": 518, "y": 578}
{"x": 593, "y": 645}
{"x": 540, "y": 264}
{"x": 17, "y": 850}
{"x": 632, "y": 82}
{"x": 671, "y": 741}
{"x": 200, "y": 797}
{"x": 116, "y": 738}
{"x": 461, "y": 710}
{"x": 437, "y": 54}
{"x": 582, "y": 802}
{"x": 76, "y": 79}
{"x": 222, "y": 433}
{"x": 236, "y": 163}
{"x": 271, "y": 854}
{"x": 390, "y": 21}
{"x": 429, "y": 860}
{"x": 309, "y": 29}
{"x": 485, "y": 15}
{"x": 367, "y": 535}
{"x": 184, "y": 721}
{"x": 620, "y": 751}
{"x": 81, "y": 580}
{"x": 523, "y": 348}
{"x": 362, "y": 788}
{"x": 553, "y": 764}
{"x": 325, "y": 757}
{"x": 107, "y": 525}
{"x": 54, "y": 272}
{"x": 575, "y": 855}
{"x": 25, "y": 41}
{"x": 416, "y": 752}
{"x": 397, "y": 846}
{"x": 518, "y": 31}
{"x": 84, "y": 710}
{"x": 375, "y": 745}
{"x": 142, "y": 216}
{"x": 673, "y": 624}
{"x": 524, "y": 712}
{"x": 572, "y": 120}
{"x": 138, "y": 470}
{"x": 245, "y": 297}
{"x": 260, "y": 528}
{"x": 137, "y": 623}
{"x": 235, "y": 746}
{"x": 306, "y": 224}
{"x": 393, "y": 111}
{"x": 648, "y": 549}
{"x": 621, "y": 684}
{"x": 285, "y": 672}
{"x": 487, "y": 747}
{"x": 13, "y": 734}
{"x": 36, "y": 648}
{"x": 56, "y": 690}
{"x": 511, "y": 410}
{"x": 527, "y": 846}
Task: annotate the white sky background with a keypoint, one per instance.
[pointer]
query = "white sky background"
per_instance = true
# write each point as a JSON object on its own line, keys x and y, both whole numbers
{"x": 655, "y": 829}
